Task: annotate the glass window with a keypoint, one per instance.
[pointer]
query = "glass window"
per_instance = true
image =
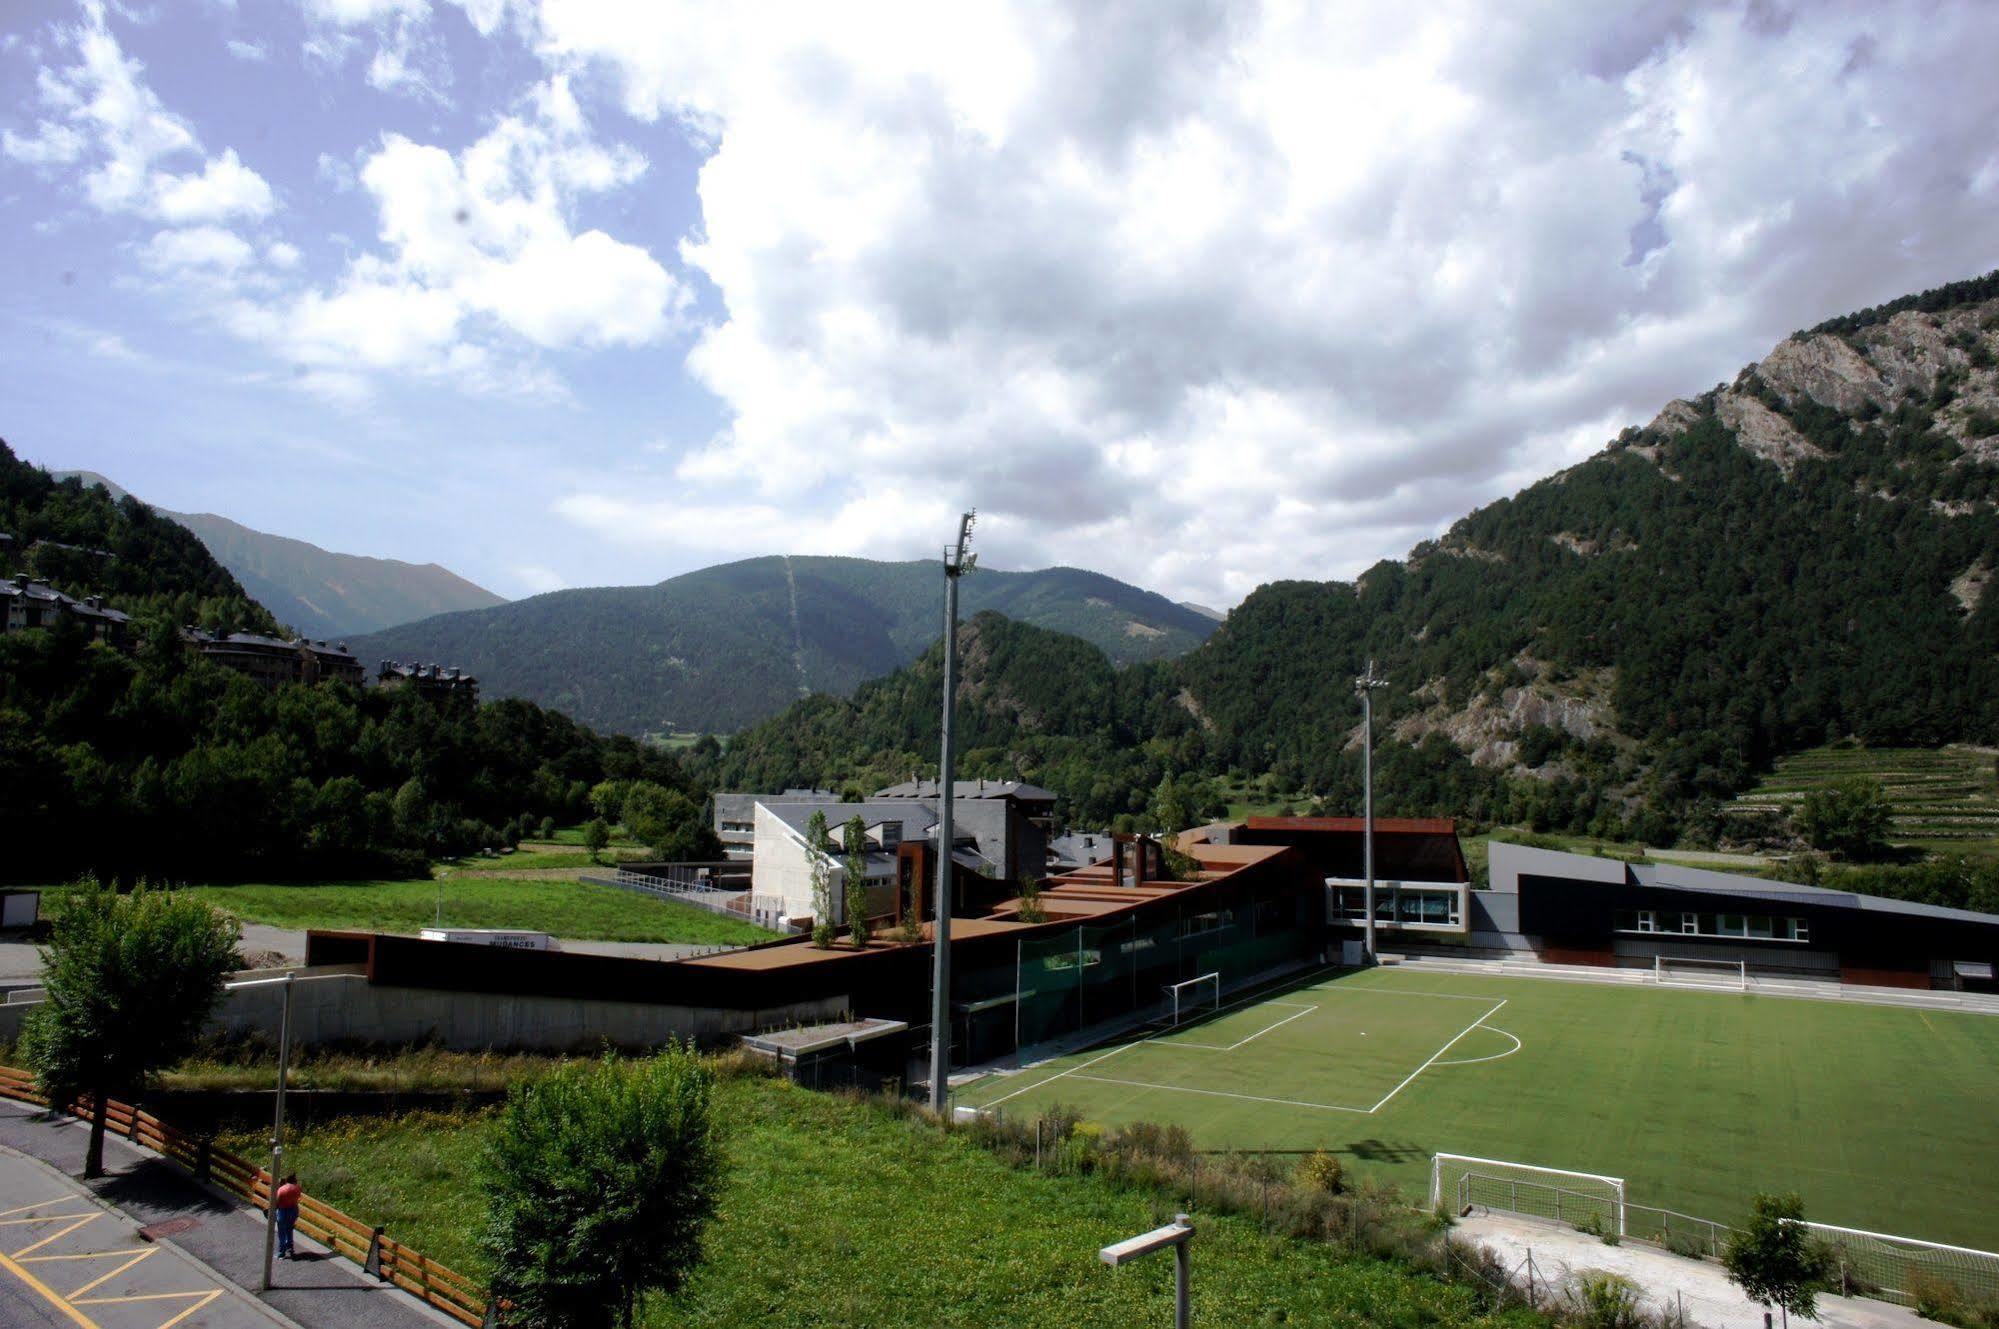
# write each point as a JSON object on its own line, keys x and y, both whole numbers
{"x": 1800, "y": 930}
{"x": 1647, "y": 921}
{"x": 1729, "y": 925}
{"x": 1690, "y": 922}
{"x": 1759, "y": 926}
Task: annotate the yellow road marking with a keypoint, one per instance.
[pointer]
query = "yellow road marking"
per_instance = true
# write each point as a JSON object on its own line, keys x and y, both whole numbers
{"x": 78, "y": 1255}
{"x": 191, "y": 1310}
{"x": 150, "y": 1250}
{"x": 58, "y": 1236}
{"x": 45, "y": 1218}
{"x": 211, "y": 1294}
{"x": 53, "y": 1199}
{"x": 48, "y": 1293}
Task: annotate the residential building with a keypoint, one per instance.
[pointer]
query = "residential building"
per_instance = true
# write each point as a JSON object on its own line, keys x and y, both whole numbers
{"x": 273, "y": 660}
{"x": 735, "y": 815}
{"x": 25, "y": 604}
{"x": 432, "y": 681}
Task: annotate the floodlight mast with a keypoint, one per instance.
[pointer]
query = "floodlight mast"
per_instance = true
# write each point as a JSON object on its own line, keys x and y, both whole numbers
{"x": 958, "y": 560}
{"x": 1365, "y": 685}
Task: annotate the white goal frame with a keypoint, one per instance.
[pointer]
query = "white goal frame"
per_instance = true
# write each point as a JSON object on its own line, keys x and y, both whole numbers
{"x": 1737, "y": 971}
{"x": 1466, "y": 1181}
{"x": 1194, "y": 1009}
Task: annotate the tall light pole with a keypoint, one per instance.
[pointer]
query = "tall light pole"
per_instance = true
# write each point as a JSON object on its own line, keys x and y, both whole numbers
{"x": 278, "y": 1131}
{"x": 1365, "y": 685}
{"x": 958, "y": 560}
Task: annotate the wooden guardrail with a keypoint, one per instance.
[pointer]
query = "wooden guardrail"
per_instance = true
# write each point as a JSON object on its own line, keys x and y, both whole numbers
{"x": 370, "y": 1247}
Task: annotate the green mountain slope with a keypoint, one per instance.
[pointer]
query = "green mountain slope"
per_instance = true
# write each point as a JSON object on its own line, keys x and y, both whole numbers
{"x": 1802, "y": 554}
{"x": 727, "y": 646}
{"x": 320, "y": 593}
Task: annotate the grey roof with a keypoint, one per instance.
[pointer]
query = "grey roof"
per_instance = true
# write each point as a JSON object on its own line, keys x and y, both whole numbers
{"x": 20, "y": 587}
{"x": 1081, "y": 848}
{"x": 1510, "y": 862}
{"x": 1019, "y": 789}
{"x": 917, "y": 818}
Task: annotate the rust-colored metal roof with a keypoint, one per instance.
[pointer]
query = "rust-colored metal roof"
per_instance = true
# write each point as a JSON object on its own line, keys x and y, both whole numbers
{"x": 1382, "y": 825}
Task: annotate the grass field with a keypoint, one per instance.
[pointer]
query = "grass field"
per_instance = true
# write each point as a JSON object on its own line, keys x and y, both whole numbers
{"x": 1940, "y": 798}
{"x": 562, "y": 908}
{"x": 836, "y": 1212}
{"x": 1879, "y": 1117}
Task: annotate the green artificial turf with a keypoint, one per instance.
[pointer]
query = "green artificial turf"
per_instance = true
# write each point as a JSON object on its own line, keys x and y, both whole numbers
{"x": 1880, "y": 1117}
{"x": 572, "y": 909}
{"x": 835, "y": 1212}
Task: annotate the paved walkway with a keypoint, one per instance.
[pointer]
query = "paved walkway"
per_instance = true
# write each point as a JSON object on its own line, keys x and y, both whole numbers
{"x": 224, "y": 1237}
{"x": 1670, "y": 1282}
{"x": 67, "y": 1259}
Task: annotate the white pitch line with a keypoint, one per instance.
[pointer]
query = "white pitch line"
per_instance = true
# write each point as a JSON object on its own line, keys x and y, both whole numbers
{"x": 1303, "y": 1011}
{"x": 1223, "y": 1093}
{"x": 1473, "y": 1061}
{"x": 1058, "y": 1075}
{"x": 1438, "y": 1053}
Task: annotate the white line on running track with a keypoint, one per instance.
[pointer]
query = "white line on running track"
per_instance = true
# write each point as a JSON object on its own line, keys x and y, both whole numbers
{"x": 1438, "y": 1053}
{"x": 1473, "y": 1061}
{"x": 1223, "y": 1093}
{"x": 1303, "y": 1011}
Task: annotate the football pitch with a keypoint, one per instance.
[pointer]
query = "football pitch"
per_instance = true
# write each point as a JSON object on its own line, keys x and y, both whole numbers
{"x": 1881, "y": 1117}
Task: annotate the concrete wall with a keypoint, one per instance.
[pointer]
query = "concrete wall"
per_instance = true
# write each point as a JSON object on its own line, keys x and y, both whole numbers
{"x": 781, "y": 867}
{"x": 327, "y": 1007}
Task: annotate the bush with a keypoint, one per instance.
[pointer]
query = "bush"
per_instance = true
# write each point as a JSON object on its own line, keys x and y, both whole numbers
{"x": 600, "y": 1179}
{"x": 1321, "y": 1172}
{"x": 1594, "y": 1299}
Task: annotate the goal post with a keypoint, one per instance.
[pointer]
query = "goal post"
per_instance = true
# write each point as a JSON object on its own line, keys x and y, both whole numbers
{"x": 1194, "y": 997}
{"x": 1586, "y": 1200}
{"x": 1689, "y": 971}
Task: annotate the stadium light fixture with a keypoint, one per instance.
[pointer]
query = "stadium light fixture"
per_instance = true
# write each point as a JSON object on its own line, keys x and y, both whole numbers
{"x": 1175, "y": 1235}
{"x": 1366, "y": 685}
{"x": 958, "y": 560}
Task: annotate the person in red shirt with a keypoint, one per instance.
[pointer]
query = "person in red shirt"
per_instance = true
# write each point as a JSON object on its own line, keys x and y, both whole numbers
{"x": 287, "y": 1201}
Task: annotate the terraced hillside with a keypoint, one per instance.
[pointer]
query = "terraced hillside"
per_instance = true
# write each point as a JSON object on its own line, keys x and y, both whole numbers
{"x": 1942, "y": 798}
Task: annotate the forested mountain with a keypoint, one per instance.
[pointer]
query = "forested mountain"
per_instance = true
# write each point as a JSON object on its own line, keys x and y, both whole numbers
{"x": 724, "y": 647}
{"x": 1801, "y": 554}
{"x": 157, "y": 762}
{"x": 318, "y": 592}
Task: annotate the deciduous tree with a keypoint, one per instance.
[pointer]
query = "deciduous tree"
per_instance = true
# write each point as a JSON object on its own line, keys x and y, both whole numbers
{"x": 131, "y": 980}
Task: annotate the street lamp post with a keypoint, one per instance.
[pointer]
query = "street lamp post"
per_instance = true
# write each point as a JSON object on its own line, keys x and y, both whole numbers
{"x": 278, "y": 1132}
{"x": 958, "y": 560}
{"x": 1365, "y": 685}
{"x": 1176, "y": 1234}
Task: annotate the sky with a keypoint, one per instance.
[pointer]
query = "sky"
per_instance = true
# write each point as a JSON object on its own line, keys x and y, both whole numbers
{"x": 1200, "y": 295}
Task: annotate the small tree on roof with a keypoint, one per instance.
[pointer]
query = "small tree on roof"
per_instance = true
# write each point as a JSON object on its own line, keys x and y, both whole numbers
{"x": 819, "y": 849}
{"x": 855, "y": 835}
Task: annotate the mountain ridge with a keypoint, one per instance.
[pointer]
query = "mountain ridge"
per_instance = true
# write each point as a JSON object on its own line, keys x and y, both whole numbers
{"x": 726, "y": 646}
{"x": 320, "y": 593}
{"x": 1801, "y": 554}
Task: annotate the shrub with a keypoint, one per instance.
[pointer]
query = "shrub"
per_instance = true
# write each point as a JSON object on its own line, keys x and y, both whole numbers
{"x": 1321, "y": 1171}
{"x": 1594, "y": 1299}
{"x": 600, "y": 1179}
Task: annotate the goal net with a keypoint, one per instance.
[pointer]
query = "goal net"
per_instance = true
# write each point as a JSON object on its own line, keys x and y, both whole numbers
{"x": 1733, "y": 974}
{"x": 1194, "y": 998}
{"x": 1583, "y": 1200}
{"x": 1901, "y": 1268}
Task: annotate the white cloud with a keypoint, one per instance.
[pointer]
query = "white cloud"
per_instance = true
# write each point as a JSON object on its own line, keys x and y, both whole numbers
{"x": 1204, "y": 296}
{"x": 249, "y": 51}
{"x": 199, "y": 248}
{"x": 281, "y": 255}
{"x": 479, "y": 264}
{"x": 225, "y": 188}
{"x": 100, "y": 110}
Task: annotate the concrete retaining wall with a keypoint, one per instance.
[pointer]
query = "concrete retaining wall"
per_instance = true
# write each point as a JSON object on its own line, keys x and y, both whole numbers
{"x": 329, "y": 1007}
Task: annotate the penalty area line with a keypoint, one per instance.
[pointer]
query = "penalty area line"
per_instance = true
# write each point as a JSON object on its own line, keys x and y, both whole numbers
{"x": 1222, "y": 1093}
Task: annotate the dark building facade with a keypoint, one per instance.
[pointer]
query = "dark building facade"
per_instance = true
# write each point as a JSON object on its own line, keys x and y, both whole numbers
{"x": 1580, "y": 909}
{"x": 272, "y": 660}
{"x": 431, "y": 681}
{"x": 26, "y": 604}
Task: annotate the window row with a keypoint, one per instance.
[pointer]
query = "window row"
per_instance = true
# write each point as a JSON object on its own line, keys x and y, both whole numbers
{"x": 1759, "y": 927}
{"x": 1400, "y": 904}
